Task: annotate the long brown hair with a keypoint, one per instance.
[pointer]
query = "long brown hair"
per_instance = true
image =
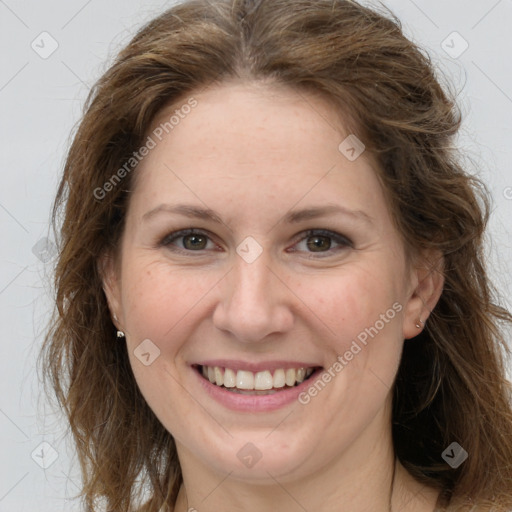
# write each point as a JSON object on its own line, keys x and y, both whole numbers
{"x": 451, "y": 385}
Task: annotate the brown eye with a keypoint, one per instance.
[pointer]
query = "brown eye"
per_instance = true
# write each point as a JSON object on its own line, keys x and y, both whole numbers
{"x": 188, "y": 240}
{"x": 195, "y": 242}
{"x": 319, "y": 243}
{"x": 322, "y": 242}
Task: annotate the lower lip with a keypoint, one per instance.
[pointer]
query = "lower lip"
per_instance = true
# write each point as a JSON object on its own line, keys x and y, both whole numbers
{"x": 255, "y": 403}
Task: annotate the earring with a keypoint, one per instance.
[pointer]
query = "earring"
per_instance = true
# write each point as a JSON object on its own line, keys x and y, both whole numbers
{"x": 120, "y": 334}
{"x": 419, "y": 324}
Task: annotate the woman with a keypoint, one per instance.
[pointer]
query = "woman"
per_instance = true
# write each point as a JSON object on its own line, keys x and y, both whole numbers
{"x": 270, "y": 290}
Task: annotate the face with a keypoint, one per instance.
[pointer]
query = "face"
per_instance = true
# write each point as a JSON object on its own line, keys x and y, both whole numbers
{"x": 258, "y": 255}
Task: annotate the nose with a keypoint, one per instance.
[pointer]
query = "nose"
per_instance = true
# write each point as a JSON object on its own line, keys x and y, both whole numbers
{"x": 254, "y": 302}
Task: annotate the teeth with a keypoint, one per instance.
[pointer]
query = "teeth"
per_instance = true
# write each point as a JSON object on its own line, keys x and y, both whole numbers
{"x": 259, "y": 381}
{"x": 244, "y": 380}
{"x": 290, "y": 375}
{"x": 279, "y": 380}
{"x": 229, "y": 378}
{"x": 219, "y": 378}
{"x": 263, "y": 380}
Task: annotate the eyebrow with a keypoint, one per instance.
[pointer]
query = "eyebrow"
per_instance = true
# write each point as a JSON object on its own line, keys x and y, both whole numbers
{"x": 323, "y": 211}
{"x": 186, "y": 210}
{"x": 291, "y": 217}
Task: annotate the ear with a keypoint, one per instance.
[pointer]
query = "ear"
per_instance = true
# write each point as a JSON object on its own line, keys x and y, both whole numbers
{"x": 109, "y": 273}
{"x": 427, "y": 281}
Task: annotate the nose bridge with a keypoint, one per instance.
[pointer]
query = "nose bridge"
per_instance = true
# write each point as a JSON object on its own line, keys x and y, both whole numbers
{"x": 253, "y": 302}
{"x": 251, "y": 288}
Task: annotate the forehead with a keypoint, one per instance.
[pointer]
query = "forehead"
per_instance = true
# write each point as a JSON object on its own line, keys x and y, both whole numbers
{"x": 254, "y": 142}
{"x": 240, "y": 116}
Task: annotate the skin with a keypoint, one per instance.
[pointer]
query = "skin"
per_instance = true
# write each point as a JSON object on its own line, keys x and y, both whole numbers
{"x": 252, "y": 152}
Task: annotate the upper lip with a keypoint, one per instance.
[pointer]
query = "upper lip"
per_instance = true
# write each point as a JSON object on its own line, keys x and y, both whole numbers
{"x": 254, "y": 367}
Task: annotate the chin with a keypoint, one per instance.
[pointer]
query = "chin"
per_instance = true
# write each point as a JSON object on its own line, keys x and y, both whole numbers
{"x": 260, "y": 457}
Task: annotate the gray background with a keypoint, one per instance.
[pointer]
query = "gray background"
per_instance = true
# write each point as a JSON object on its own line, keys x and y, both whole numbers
{"x": 40, "y": 102}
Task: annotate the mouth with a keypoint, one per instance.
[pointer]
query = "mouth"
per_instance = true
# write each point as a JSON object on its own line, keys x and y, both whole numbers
{"x": 265, "y": 382}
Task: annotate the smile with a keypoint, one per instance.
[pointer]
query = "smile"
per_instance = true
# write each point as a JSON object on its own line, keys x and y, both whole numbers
{"x": 255, "y": 383}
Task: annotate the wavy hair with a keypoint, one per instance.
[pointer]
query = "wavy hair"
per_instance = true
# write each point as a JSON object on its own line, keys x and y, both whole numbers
{"x": 451, "y": 384}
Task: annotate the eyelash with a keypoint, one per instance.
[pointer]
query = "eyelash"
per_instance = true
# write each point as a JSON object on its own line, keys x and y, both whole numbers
{"x": 337, "y": 238}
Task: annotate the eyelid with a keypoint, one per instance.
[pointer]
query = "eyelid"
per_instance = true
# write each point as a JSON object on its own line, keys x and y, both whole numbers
{"x": 168, "y": 239}
{"x": 337, "y": 238}
{"x": 327, "y": 232}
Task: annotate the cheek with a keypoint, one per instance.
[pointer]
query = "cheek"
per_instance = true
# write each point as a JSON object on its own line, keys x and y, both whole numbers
{"x": 158, "y": 301}
{"x": 352, "y": 302}
{"x": 362, "y": 309}
{"x": 161, "y": 305}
